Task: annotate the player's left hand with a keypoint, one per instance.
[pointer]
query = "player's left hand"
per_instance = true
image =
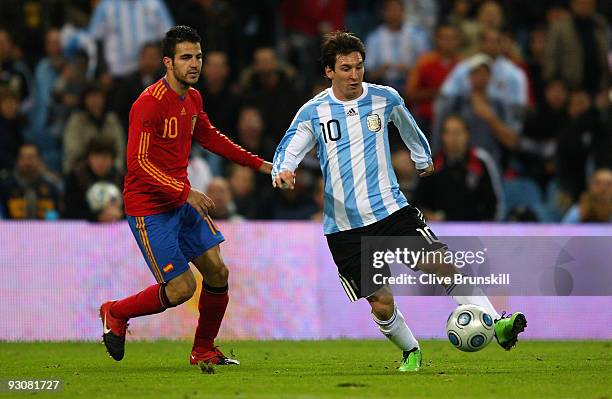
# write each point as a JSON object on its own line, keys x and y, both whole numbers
{"x": 427, "y": 171}
{"x": 266, "y": 168}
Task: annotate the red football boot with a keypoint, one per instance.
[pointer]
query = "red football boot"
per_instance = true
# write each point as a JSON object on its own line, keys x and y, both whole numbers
{"x": 113, "y": 333}
{"x": 214, "y": 356}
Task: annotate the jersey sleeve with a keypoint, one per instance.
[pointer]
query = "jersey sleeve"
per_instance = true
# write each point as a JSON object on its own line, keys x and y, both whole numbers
{"x": 145, "y": 122}
{"x": 212, "y": 139}
{"x": 298, "y": 140}
{"x": 412, "y": 136}
{"x": 97, "y": 26}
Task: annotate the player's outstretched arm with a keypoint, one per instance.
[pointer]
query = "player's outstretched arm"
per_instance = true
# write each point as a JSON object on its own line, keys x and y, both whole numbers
{"x": 298, "y": 140}
{"x": 266, "y": 168}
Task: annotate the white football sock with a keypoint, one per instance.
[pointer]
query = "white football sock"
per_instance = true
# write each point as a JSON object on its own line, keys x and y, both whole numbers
{"x": 472, "y": 295}
{"x": 396, "y": 330}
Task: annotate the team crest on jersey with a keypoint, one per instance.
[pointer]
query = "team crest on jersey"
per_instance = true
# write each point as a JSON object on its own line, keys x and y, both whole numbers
{"x": 374, "y": 123}
{"x": 194, "y": 119}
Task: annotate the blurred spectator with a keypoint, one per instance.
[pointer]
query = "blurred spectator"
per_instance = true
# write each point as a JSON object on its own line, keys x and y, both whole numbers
{"x": 459, "y": 15}
{"x": 405, "y": 172}
{"x": 268, "y": 85}
{"x": 30, "y": 192}
{"x": 220, "y": 102}
{"x": 242, "y": 183}
{"x": 465, "y": 185}
{"x": 538, "y": 144}
{"x": 596, "y": 203}
{"x": 258, "y": 27}
{"x": 508, "y": 82}
{"x": 14, "y": 73}
{"x": 296, "y": 204}
{"x": 423, "y": 13}
{"x": 123, "y": 27}
{"x": 488, "y": 121}
{"x": 130, "y": 87}
{"x": 93, "y": 188}
{"x": 11, "y": 128}
{"x": 29, "y": 20}
{"x": 219, "y": 191}
{"x": 305, "y": 22}
{"x": 583, "y": 141}
{"x": 489, "y": 15}
{"x": 250, "y": 133}
{"x": 199, "y": 171}
{"x": 576, "y": 49}
{"x": 46, "y": 74}
{"x": 430, "y": 71}
{"x": 393, "y": 48}
{"x": 65, "y": 98}
{"x": 216, "y": 23}
{"x": 92, "y": 121}
{"x": 535, "y": 64}
{"x": 361, "y": 17}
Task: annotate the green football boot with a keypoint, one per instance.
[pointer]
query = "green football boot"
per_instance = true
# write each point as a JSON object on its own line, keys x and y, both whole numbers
{"x": 411, "y": 360}
{"x": 508, "y": 328}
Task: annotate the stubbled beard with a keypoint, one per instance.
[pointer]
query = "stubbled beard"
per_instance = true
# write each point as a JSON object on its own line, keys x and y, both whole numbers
{"x": 182, "y": 81}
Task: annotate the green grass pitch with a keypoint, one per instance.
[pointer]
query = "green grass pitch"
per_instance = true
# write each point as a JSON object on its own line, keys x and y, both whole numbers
{"x": 316, "y": 369}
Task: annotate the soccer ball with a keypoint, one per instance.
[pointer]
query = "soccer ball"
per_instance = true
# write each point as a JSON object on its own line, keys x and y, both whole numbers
{"x": 469, "y": 328}
{"x": 102, "y": 193}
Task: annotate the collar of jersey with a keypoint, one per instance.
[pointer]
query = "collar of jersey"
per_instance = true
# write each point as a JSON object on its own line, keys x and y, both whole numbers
{"x": 171, "y": 90}
{"x": 363, "y": 94}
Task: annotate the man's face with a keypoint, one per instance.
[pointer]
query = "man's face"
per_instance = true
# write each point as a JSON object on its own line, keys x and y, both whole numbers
{"x": 149, "y": 60}
{"x": 100, "y": 164}
{"x": 6, "y": 45}
{"x": 218, "y": 190}
{"x": 601, "y": 183}
{"x": 490, "y": 43}
{"x": 447, "y": 39}
{"x": 556, "y": 95}
{"x": 455, "y": 137}
{"x": 265, "y": 61}
{"x": 393, "y": 13}
{"x": 187, "y": 63}
{"x": 250, "y": 123}
{"x": 53, "y": 43}
{"x": 28, "y": 162}
{"x": 215, "y": 67}
{"x": 347, "y": 76}
{"x": 242, "y": 181}
{"x": 480, "y": 77}
{"x": 583, "y": 8}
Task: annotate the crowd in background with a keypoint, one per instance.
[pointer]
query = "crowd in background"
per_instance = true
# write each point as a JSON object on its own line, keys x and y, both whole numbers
{"x": 514, "y": 97}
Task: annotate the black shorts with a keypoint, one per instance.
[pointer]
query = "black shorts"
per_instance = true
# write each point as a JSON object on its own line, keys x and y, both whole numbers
{"x": 345, "y": 247}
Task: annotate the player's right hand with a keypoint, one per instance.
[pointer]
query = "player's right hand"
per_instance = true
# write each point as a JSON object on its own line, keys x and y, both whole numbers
{"x": 200, "y": 202}
{"x": 285, "y": 179}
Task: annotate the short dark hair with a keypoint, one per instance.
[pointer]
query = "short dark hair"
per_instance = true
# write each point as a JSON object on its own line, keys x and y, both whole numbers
{"x": 339, "y": 43}
{"x": 101, "y": 145}
{"x": 176, "y": 35}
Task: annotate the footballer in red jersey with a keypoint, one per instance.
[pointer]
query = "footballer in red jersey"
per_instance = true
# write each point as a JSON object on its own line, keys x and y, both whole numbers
{"x": 168, "y": 218}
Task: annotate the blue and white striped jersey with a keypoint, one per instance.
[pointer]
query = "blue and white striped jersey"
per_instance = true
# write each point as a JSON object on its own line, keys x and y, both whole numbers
{"x": 125, "y": 26}
{"x": 353, "y": 149}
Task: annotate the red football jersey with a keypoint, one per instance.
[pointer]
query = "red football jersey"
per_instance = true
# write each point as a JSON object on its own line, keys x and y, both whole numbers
{"x": 162, "y": 126}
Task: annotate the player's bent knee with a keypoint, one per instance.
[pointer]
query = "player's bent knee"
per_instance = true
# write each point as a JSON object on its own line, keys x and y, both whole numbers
{"x": 181, "y": 288}
{"x": 218, "y": 276}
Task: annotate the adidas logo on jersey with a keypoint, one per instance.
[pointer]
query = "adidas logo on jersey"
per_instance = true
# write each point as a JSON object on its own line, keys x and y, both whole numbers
{"x": 351, "y": 112}
{"x": 183, "y": 112}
